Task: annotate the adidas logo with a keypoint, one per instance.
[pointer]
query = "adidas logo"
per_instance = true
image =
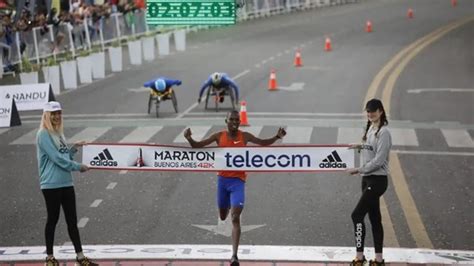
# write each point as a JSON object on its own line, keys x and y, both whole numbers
{"x": 333, "y": 161}
{"x": 104, "y": 159}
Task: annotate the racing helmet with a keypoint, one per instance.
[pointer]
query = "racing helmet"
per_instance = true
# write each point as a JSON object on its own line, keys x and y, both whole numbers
{"x": 216, "y": 78}
{"x": 160, "y": 85}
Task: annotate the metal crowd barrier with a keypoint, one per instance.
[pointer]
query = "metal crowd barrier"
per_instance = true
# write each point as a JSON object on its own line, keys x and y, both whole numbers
{"x": 37, "y": 45}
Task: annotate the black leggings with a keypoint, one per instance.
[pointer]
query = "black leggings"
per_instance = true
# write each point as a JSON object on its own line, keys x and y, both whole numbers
{"x": 373, "y": 187}
{"x": 55, "y": 198}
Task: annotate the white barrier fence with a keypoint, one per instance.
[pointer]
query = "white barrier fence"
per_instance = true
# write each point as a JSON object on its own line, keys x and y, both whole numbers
{"x": 40, "y": 43}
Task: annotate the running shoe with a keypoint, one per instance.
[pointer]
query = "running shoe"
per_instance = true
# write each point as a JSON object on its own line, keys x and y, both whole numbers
{"x": 51, "y": 261}
{"x": 357, "y": 262}
{"x": 85, "y": 262}
{"x": 234, "y": 261}
{"x": 376, "y": 263}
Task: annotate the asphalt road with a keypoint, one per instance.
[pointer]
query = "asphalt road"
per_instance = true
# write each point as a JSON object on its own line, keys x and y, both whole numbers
{"x": 429, "y": 200}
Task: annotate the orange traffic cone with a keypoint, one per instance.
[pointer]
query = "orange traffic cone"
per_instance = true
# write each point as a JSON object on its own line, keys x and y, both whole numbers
{"x": 272, "y": 83}
{"x": 454, "y": 3}
{"x": 298, "y": 62}
{"x": 410, "y": 13}
{"x": 368, "y": 26}
{"x": 243, "y": 114}
{"x": 327, "y": 44}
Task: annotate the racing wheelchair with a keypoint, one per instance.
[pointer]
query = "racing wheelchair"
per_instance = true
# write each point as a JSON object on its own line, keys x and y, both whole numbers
{"x": 157, "y": 97}
{"x": 217, "y": 95}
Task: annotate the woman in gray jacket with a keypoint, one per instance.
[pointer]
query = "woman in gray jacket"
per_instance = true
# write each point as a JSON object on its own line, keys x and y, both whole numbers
{"x": 375, "y": 147}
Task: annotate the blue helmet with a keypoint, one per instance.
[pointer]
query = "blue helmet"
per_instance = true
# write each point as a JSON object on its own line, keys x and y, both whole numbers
{"x": 160, "y": 85}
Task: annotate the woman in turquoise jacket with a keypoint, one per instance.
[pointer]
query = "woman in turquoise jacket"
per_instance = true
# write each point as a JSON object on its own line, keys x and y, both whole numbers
{"x": 55, "y": 164}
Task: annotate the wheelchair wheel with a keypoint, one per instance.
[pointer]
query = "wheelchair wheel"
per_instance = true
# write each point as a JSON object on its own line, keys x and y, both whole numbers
{"x": 157, "y": 104}
{"x": 150, "y": 103}
{"x": 208, "y": 95}
{"x": 175, "y": 101}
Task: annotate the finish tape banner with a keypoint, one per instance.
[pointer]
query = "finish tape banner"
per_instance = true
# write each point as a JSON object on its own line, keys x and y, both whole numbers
{"x": 308, "y": 158}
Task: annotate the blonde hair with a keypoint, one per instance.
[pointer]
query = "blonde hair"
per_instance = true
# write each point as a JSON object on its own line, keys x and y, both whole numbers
{"x": 56, "y": 132}
{"x": 46, "y": 124}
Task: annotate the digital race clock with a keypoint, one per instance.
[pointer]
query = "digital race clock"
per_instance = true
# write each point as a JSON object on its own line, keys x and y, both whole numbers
{"x": 190, "y": 12}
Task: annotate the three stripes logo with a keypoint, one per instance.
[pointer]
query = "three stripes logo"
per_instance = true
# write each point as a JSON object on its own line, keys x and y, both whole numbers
{"x": 104, "y": 159}
{"x": 333, "y": 160}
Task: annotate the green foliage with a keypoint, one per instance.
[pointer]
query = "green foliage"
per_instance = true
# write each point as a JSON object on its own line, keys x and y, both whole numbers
{"x": 68, "y": 56}
{"x": 27, "y": 66}
{"x": 51, "y": 61}
{"x": 132, "y": 38}
{"x": 116, "y": 43}
{"x": 84, "y": 53}
{"x": 96, "y": 49}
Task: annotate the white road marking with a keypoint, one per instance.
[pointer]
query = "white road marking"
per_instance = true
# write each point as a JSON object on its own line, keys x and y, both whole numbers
{"x": 96, "y": 203}
{"x": 298, "y": 135}
{"x": 225, "y": 227}
{"x": 198, "y": 133}
{"x": 457, "y": 138}
{"x": 255, "y": 130}
{"x": 122, "y": 172}
{"x": 82, "y": 222}
{"x": 296, "y": 86}
{"x": 440, "y": 90}
{"x": 142, "y": 89}
{"x": 141, "y": 134}
{"x": 111, "y": 185}
{"x": 3, "y": 130}
{"x": 28, "y": 138}
{"x": 349, "y": 135}
{"x": 277, "y": 114}
{"x": 441, "y": 153}
{"x": 89, "y": 134}
{"x": 329, "y": 254}
{"x": 404, "y": 137}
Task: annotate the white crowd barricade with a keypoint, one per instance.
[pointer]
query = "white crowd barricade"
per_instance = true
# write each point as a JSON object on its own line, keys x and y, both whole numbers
{"x": 84, "y": 65}
{"x": 163, "y": 43}
{"x": 98, "y": 65}
{"x": 180, "y": 39}
{"x": 52, "y": 76}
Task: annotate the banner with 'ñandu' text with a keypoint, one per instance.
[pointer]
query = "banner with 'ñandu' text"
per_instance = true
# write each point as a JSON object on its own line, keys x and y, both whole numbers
{"x": 308, "y": 158}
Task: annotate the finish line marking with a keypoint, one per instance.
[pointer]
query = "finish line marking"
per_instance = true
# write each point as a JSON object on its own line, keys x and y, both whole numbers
{"x": 246, "y": 252}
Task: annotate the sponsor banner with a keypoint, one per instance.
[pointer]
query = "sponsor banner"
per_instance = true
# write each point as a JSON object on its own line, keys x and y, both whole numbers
{"x": 245, "y": 252}
{"x": 8, "y": 112}
{"x": 311, "y": 158}
{"x": 29, "y": 96}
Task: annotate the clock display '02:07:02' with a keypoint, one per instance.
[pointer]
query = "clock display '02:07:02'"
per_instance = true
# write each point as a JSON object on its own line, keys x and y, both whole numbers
{"x": 181, "y": 12}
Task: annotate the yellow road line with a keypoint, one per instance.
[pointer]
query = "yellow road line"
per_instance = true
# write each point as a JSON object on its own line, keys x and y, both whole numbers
{"x": 415, "y": 224}
{"x": 410, "y": 210}
{"x": 390, "y": 238}
{"x": 392, "y": 79}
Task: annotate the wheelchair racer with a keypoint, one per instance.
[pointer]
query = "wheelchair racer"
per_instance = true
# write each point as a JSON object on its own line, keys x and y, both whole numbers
{"x": 221, "y": 82}
{"x": 162, "y": 84}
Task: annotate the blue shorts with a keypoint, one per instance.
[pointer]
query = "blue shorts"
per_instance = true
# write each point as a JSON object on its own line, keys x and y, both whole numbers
{"x": 230, "y": 192}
